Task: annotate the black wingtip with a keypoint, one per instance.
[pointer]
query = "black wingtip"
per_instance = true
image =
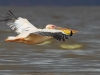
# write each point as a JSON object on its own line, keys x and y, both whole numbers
{"x": 11, "y": 14}
{"x": 8, "y": 16}
{"x": 71, "y": 33}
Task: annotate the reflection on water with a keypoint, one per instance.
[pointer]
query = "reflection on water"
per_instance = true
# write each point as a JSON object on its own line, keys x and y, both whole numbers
{"x": 80, "y": 55}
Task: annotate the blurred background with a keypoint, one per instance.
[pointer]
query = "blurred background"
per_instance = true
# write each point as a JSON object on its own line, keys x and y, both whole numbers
{"x": 49, "y": 2}
{"x": 79, "y": 55}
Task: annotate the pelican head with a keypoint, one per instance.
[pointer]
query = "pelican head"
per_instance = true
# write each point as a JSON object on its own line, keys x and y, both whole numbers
{"x": 50, "y": 26}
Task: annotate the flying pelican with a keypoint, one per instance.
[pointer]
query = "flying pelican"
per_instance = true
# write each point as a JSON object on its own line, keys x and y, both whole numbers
{"x": 29, "y": 34}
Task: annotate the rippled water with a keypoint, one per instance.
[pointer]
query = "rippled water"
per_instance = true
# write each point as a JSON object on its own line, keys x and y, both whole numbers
{"x": 52, "y": 58}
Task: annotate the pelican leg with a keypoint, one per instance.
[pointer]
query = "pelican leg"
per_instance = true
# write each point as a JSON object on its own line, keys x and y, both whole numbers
{"x": 19, "y": 40}
{"x": 10, "y": 39}
{"x": 14, "y": 39}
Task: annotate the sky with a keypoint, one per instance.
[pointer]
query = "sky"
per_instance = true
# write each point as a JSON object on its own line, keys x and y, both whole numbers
{"x": 49, "y": 2}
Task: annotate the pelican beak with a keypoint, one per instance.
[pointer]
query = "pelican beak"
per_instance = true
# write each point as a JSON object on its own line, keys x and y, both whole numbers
{"x": 74, "y": 31}
{"x": 67, "y": 30}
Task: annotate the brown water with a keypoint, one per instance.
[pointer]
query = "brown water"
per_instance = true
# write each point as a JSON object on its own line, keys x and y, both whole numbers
{"x": 51, "y": 59}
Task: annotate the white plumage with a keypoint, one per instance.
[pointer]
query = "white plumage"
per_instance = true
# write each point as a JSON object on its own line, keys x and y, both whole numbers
{"x": 29, "y": 34}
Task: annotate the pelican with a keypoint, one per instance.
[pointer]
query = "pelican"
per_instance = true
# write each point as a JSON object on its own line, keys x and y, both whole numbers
{"x": 29, "y": 34}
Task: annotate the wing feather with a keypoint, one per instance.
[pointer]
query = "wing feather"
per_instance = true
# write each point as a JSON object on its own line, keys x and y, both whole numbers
{"x": 56, "y": 34}
{"x": 18, "y": 24}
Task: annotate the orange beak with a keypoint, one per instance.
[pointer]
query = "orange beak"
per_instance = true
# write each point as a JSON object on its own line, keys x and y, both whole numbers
{"x": 67, "y": 30}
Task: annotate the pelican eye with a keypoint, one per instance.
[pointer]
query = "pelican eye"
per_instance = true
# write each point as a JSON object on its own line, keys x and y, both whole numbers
{"x": 53, "y": 26}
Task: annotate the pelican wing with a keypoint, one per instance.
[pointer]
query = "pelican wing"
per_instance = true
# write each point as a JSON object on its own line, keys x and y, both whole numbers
{"x": 18, "y": 24}
{"x": 56, "y": 34}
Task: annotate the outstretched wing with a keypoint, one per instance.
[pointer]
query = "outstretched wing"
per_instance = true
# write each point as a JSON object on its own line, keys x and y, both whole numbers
{"x": 56, "y": 34}
{"x": 18, "y": 24}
